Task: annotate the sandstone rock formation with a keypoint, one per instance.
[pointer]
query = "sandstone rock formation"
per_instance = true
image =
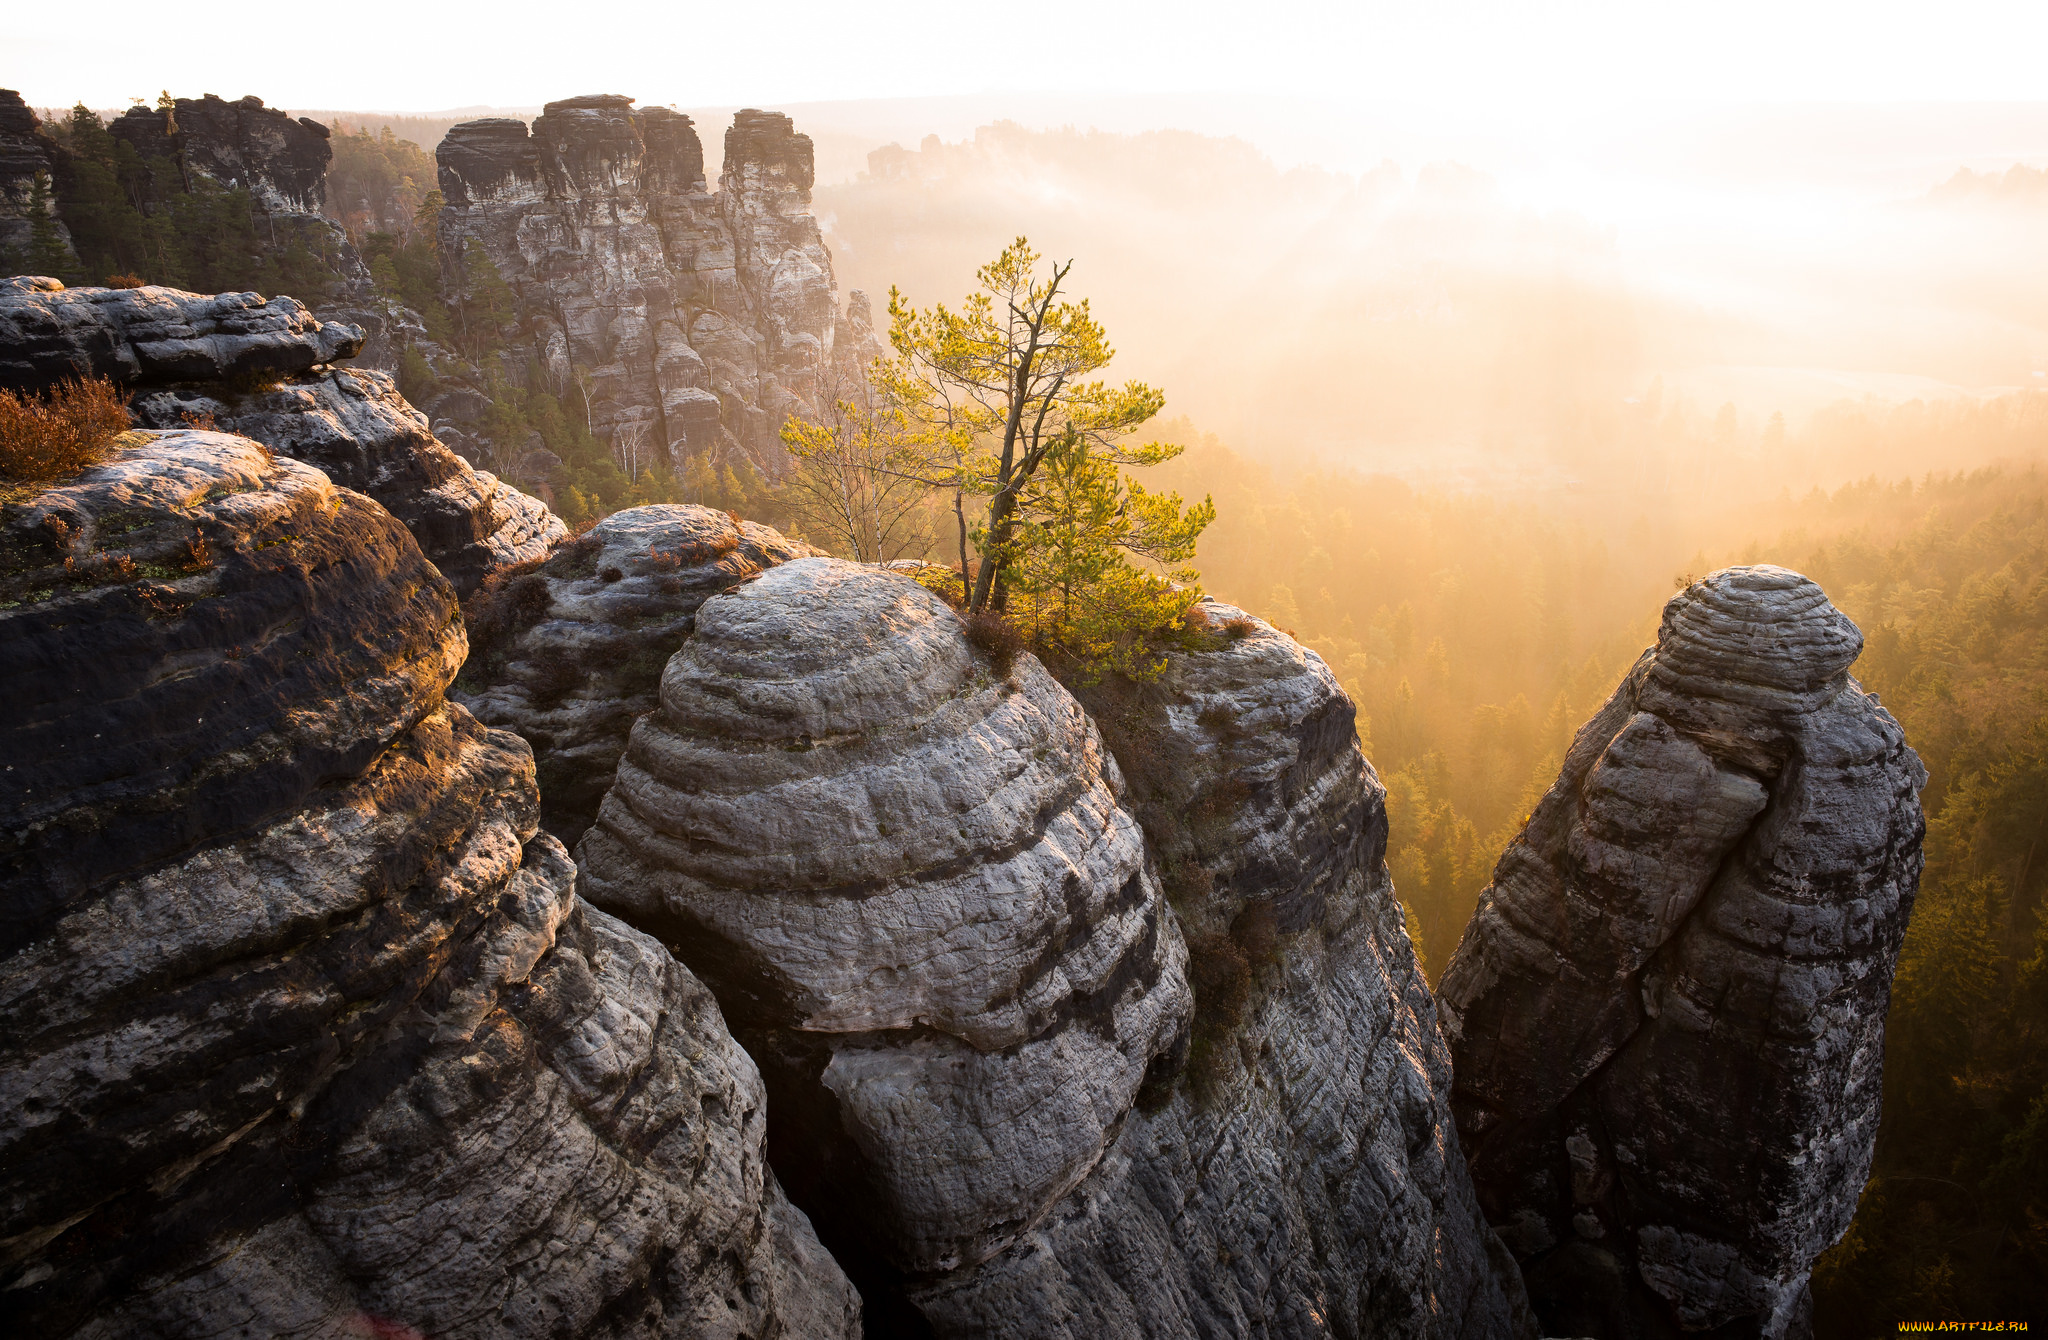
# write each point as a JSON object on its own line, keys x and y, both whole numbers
{"x": 352, "y": 424}
{"x": 25, "y": 153}
{"x": 1305, "y": 1180}
{"x": 692, "y": 322}
{"x": 1667, "y": 1016}
{"x": 259, "y": 368}
{"x": 242, "y": 145}
{"x": 904, "y": 869}
{"x": 157, "y": 335}
{"x": 305, "y": 1031}
{"x": 571, "y": 655}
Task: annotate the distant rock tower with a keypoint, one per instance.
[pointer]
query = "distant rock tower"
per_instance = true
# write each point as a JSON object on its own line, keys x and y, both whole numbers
{"x": 690, "y": 321}
{"x": 1667, "y": 1017}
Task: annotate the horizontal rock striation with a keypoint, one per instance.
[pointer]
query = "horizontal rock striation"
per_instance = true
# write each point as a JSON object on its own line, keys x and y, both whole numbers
{"x": 1668, "y": 1013}
{"x": 694, "y": 322}
{"x": 263, "y": 370}
{"x": 1305, "y": 1179}
{"x": 302, "y": 1027}
{"x": 571, "y": 655}
{"x": 154, "y": 335}
{"x": 904, "y": 870}
{"x": 352, "y": 424}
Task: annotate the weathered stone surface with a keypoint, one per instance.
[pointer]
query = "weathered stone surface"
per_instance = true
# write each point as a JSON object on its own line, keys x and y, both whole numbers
{"x": 1307, "y": 1179}
{"x": 570, "y": 655}
{"x": 352, "y": 424}
{"x": 155, "y": 335}
{"x": 302, "y": 1028}
{"x": 1668, "y": 1013}
{"x": 693, "y": 322}
{"x": 25, "y": 153}
{"x": 906, "y": 874}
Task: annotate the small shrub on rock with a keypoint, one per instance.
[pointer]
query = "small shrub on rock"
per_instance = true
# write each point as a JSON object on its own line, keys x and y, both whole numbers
{"x": 996, "y": 636}
{"x": 57, "y": 434}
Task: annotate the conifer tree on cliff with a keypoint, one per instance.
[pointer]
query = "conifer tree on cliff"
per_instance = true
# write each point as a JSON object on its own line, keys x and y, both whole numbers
{"x": 999, "y": 384}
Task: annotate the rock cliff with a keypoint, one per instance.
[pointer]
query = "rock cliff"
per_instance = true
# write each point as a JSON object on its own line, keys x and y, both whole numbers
{"x": 1305, "y": 1178}
{"x": 305, "y": 1030}
{"x": 571, "y": 655}
{"x": 692, "y": 321}
{"x": 243, "y": 145}
{"x": 262, "y": 369}
{"x": 904, "y": 868}
{"x": 25, "y": 154}
{"x": 1667, "y": 1016}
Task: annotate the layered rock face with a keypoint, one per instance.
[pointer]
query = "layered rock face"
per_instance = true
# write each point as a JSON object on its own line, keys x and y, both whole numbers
{"x": 1309, "y": 1182}
{"x": 305, "y": 1030}
{"x": 261, "y": 369}
{"x": 571, "y": 655}
{"x": 904, "y": 869}
{"x": 25, "y": 153}
{"x": 1667, "y": 1016}
{"x": 693, "y": 322}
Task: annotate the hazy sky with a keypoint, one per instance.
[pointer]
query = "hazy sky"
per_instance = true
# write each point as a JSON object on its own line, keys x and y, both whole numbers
{"x": 1504, "y": 57}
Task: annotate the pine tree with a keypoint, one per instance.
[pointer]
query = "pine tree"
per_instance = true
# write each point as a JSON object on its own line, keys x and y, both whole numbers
{"x": 48, "y": 253}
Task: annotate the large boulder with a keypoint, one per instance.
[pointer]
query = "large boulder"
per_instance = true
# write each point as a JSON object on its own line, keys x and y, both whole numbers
{"x": 1304, "y": 1177}
{"x": 902, "y": 865}
{"x": 302, "y": 1026}
{"x": 570, "y": 655}
{"x": 1667, "y": 1016}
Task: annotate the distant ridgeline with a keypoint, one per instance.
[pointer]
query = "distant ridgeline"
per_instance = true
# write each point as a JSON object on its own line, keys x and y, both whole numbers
{"x": 649, "y": 352}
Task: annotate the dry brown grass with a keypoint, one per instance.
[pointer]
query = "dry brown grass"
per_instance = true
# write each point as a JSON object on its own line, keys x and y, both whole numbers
{"x": 126, "y": 281}
{"x": 62, "y": 431}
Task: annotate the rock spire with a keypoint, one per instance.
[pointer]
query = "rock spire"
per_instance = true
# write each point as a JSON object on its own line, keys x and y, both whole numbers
{"x": 1667, "y": 1017}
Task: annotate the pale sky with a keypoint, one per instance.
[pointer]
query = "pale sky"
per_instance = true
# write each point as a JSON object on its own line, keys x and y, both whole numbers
{"x": 1488, "y": 57}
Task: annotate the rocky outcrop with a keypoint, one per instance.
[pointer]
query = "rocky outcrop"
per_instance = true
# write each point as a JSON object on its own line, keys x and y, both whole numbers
{"x": 242, "y": 145}
{"x": 352, "y": 424}
{"x": 1304, "y": 1179}
{"x": 1668, "y": 1013}
{"x": 903, "y": 867}
{"x": 571, "y": 655}
{"x": 262, "y": 369}
{"x": 155, "y": 335}
{"x": 26, "y": 153}
{"x": 305, "y": 1030}
{"x": 690, "y": 321}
